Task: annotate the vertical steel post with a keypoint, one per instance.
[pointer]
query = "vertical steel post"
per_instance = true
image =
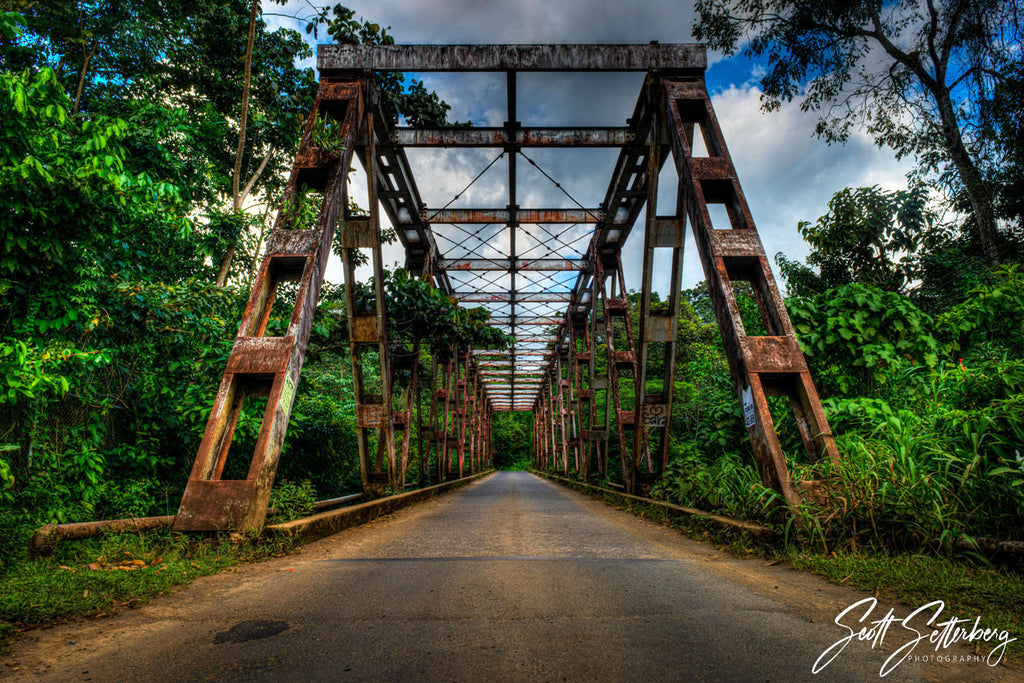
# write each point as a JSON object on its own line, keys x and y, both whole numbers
{"x": 657, "y": 329}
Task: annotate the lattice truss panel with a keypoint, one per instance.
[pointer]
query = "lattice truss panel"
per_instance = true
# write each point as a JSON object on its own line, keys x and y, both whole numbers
{"x": 542, "y": 255}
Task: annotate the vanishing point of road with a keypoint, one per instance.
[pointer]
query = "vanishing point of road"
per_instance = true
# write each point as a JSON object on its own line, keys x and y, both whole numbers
{"x": 511, "y": 578}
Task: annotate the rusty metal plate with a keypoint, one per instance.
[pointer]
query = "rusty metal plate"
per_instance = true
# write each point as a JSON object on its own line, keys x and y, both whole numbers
{"x": 371, "y": 416}
{"x": 669, "y": 233}
{"x": 687, "y": 90}
{"x": 616, "y": 306}
{"x": 315, "y": 159}
{"x": 736, "y": 244}
{"x": 655, "y": 414}
{"x": 774, "y": 355}
{"x": 623, "y": 359}
{"x": 337, "y": 91}
{"x": 293, "y": 242}
{"x": 364, "y": 329}
{"x": 260, "y": 355}
{"x": 357, "y": 233}
{"x": 711, "y": 168}
{"x": 218, "y": 505}
{"x": 660, "y": 328}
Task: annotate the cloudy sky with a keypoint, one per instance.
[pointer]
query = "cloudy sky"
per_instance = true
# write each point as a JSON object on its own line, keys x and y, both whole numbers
{"x": 787, "y": 174}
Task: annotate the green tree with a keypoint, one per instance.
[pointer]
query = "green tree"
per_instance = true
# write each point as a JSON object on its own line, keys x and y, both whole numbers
{"x": 216, "y": 64}
{"x": 911, "y": 71}
{"x": 1003, "y": 128}
{"x": 420, "y": 108}
{"x": 99, "y": 317}
{"x": 854, "y": 334}
{"x": 868, "y": 236}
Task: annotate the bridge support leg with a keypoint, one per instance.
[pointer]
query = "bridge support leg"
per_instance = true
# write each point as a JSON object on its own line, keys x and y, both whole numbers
{"x": 368, "y": 342}
{"x": 656, "y": 340}
{"x": 579, "y": 355}
{"x": 622, "y": 364}
{"x": 220, "y": 495}
{"x": 765, "y": 360}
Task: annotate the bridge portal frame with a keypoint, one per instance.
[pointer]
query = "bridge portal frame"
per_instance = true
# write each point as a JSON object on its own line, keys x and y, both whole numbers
{"x": 570, "y": 431}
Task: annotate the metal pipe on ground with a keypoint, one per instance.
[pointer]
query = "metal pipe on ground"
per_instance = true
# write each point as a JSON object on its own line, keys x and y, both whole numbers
{"x": 46, "y": 538}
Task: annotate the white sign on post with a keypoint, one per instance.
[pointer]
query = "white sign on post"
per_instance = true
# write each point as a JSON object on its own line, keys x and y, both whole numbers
{"x": 749, "y": 415}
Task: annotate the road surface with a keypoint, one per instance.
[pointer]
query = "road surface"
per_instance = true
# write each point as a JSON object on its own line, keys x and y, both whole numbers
{"x": 511, "y": 578}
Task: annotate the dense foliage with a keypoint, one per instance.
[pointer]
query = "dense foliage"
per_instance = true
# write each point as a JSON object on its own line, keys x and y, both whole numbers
{"x": 120, "y": 146}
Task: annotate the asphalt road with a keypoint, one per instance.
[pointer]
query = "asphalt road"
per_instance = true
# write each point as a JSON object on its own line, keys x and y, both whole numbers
{"x": 511, "y": 578}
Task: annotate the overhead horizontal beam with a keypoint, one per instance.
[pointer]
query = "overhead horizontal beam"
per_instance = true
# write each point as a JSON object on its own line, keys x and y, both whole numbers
{"x": 524, "y": 137}
{"x": 506, "y": 264}
{"x": 507, "y": 297}
{"x": 509, "y": 354}
{"x": 442, "y": 216}
{"x": 526, "y": 320}
{"x": 334, "y": 59}
{"x": 519, "y": 363}
{"x": 500, "y": 390}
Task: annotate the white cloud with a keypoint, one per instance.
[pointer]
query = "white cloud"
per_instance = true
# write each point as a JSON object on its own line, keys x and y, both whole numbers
{"x": 787, "y": 174}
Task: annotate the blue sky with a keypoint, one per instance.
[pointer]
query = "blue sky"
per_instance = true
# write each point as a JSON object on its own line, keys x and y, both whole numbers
{"x": 787, "y": 174}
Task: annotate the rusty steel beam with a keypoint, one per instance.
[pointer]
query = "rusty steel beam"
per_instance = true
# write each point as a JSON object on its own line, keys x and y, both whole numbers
{"x": 504, "y": 216}
{"x": 506, "y": 264}
{"x": 523, "y": 137}
{"x": 507, "y": 297}
{"x": 624, "y": 200}
{"x": 395, "y": 188}
{"x": 333, "y": 60}
{"x": 526, "y": 320}
{"x": 518, "y": 382}
{"x": 505, "y": 354}
{"x": 504, "y": 374}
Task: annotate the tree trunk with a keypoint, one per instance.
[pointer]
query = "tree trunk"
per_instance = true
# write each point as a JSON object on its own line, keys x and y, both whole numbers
{"x": 981, "y": 202}
{"x": 236, "y": 180}
{"x": 87, "y": 57}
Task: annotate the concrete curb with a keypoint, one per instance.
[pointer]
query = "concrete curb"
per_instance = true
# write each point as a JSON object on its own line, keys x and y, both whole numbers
{"x": 333, "y": 521}
{"x": 762, "y": 533}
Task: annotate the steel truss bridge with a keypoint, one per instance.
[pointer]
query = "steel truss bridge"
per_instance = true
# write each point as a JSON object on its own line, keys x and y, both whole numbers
{"x": 577, "y": 363}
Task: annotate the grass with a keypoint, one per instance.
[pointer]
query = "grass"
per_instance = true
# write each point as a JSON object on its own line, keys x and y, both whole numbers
{"x": 996, "y": 595}
{"x": 102, "y": 576}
